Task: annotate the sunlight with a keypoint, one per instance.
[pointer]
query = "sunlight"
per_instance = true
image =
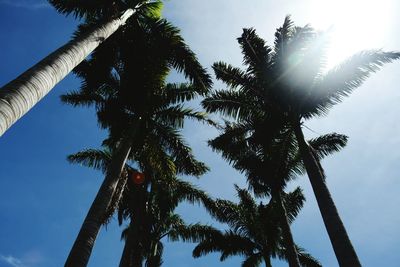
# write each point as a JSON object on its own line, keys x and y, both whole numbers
{"x": 355, "y": 25}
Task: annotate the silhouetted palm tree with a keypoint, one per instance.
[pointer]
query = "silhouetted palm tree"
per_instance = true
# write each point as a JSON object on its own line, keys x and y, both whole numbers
{"x": 105, "y": 17}
{"x": 287, "y": 84}
{"x": 149, "y": 206}
{"x": 255, "y": 230}
{"x": 268, "y": 169}
{"x": 152, "y": 218}
{"x": 126, "y": 84}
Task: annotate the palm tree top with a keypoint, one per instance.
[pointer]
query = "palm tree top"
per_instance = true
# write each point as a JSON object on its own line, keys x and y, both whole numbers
{"x": 269, "y": 164}
{"x": 94, "y": 9}
{"x": 290, "y": 77}
{"x": 254, "y": 230}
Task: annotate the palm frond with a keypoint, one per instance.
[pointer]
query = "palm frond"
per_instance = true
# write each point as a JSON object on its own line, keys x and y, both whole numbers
{"x": 80, "y": 9}
{"x": 206, "y": 246}
{"x": 236, "y": 245}
{"x": 256, "y": 54}
{"x": 92, "y": 158}
{"x": 234, "y": 104}
{"x": 75, "y": 98}
{"x": 182, "y": 154}
{"x": 306, "y": 260}
{"x": 327, "y": 144}
{"x": 235, "y": 77}
{"x": 176, "y": 115}
{"x": 293, "y": 202}
{"x": 178, "y": 93}
{"x": 253, "y": 260}
{"x": 192, "y": 233}
{"x": 182, "y": 58}
{"x": 343, "y": 79}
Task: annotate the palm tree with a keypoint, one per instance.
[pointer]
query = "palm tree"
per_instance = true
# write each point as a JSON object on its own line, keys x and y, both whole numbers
{"x": 106, "y": 17}
{"x": 152, "y": 218}
{"x": 269, "y": 169}
{"x": 254, "y": 230}
{"x": 126, "y": 84}
{"x": 287, "y": 84}
{"x": 150, "y": 211}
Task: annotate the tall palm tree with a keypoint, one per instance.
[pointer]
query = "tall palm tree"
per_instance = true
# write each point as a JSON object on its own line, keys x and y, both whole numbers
{"x": 126, "y": 84}
{"x": 149, "y": 206}
{"x": 151, "y": 219}
{"x": 106, "y": 17}
{"x": 21, "y": 94}
{"x": 254, "y": 230}
{"x": 166, "y": 145}
{"x": 269, "y": 169}
{"x": 287, "y": 83}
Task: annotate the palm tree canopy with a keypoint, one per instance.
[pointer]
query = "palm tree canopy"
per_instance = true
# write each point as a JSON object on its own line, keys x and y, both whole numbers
{"x": 284, "y": 84}
{"x": 290, "y": 77}
{"x": 93, "y": 9}
{"x": 254, "y": 230}
{"x": 126, "y": 84}
{"x": 272, "y": 163}
{"x": 152, "y": 217}
{"x": 123, "y": 91}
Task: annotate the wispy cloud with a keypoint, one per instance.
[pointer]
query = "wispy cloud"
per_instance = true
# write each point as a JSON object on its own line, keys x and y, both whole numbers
{"x": 30, "y": 258}
{"x": 28, "y": 4}
{"x": 12, "y": 261}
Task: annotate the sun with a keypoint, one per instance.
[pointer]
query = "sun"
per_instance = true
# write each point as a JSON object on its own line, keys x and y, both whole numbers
{"x": 354, "y": 25}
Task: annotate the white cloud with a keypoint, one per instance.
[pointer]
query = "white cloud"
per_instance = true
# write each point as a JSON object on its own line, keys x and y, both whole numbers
{"x": 12, "y": 261}
{"x": 38, "y": 4}
{"x": 28, "y": 259}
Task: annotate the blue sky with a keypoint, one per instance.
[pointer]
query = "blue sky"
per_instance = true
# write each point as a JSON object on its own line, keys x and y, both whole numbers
{"x": 43, "y": 199}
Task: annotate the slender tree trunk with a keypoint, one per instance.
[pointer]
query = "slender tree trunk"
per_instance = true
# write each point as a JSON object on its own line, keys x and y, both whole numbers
{"x": 82, "y": 248}
{"x": 20, "y": 95}
{"x": 267, "y": 260}
{"x": 132, "y": 254}
{"x": 340, "y": 241}
{"x": 126, "y": 257}
{"x": 126, "y": 253}
{"x": 291, "y": 252}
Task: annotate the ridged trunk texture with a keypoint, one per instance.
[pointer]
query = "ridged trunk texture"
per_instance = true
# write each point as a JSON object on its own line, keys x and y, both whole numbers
{"x": 340, "y": 241}
{"x": 82, "y": 248}
{"x": 291, "y": 252}
{"x": 20, "y": 95}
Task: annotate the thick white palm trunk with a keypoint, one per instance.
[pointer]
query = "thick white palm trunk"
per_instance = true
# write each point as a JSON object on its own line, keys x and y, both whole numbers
{"x": 21, "y": 94}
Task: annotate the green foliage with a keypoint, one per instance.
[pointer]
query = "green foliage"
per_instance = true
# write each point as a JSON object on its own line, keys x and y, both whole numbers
{"x": 254, "y": 232}
{"x": 288, "y": 81}
{"x": 92, "y": 158}
{"x": 91, "y": 10}
{"x": 152, "y": 218}
{"x": 125, "y": 80}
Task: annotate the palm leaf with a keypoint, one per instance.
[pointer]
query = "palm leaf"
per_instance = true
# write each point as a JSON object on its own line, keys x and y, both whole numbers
{"x": 343, "y": 79}
{"x": 92, "y": 158}
{"x": 327, "y": 144}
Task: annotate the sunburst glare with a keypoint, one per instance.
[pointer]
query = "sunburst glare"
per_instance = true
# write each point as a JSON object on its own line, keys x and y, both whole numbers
{"x": 354, "y": 25}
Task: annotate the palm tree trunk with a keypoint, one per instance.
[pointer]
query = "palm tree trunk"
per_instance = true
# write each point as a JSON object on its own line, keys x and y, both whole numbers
{"x": 126, "y": 257}
{"x": 82, "y": 248}
{"x": 291, "y": 252}
{"x": 132, "y": 254}
{"x": 340, "y": 241}
{"x": 267, "y": 260}
{"x": 20, "y": 95}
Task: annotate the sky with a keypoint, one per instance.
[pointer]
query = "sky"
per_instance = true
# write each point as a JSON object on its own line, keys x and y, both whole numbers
{"x": 43, "y": 199}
